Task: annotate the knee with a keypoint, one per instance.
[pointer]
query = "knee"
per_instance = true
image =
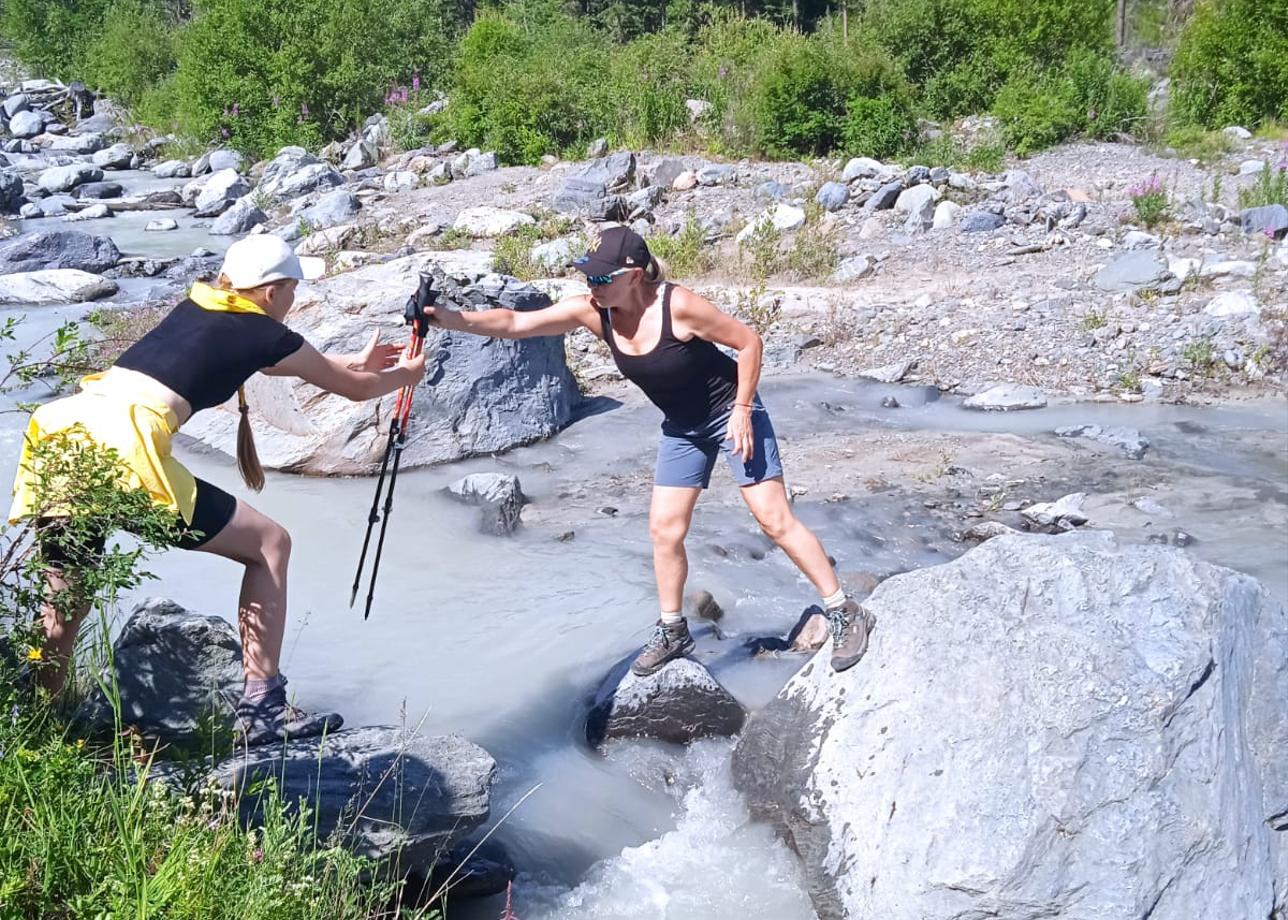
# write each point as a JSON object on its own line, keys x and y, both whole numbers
{"x": 668, "y": 532}
{"x": 776, "y": 524}
{"x": 276, "y": 546}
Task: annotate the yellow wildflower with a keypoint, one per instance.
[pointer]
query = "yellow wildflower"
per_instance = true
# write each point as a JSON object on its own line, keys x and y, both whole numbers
{"x": 35, "y": 654}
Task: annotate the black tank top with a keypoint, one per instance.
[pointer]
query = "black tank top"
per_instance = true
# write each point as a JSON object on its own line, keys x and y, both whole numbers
{"x": 691, "y": 382}
{"x": 205, "y": 355}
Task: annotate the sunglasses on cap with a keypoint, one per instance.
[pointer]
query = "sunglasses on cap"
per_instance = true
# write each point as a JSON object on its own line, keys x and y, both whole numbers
{"x": 601, "y": 280}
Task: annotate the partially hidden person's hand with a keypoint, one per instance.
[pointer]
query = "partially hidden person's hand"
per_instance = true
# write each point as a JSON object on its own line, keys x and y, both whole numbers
{"x": 414, "y": 364}
{"x": 376, "y": 356}
{"x": 444, "y": 317}
{"x": 740, "y": 433}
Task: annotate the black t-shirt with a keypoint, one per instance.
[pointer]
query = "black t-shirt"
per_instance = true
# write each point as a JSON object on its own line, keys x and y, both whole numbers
{"x": 205, "y": 355}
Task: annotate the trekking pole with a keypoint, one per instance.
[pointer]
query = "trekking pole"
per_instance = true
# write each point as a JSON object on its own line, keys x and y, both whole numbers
{"x": 414, "y": 316}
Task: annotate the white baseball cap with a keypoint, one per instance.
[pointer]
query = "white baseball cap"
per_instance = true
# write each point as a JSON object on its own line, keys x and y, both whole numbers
{"x": 263, "y": 258}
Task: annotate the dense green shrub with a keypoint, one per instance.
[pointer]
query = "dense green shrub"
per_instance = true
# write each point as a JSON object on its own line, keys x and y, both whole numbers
{"x": 528, "y": 89}
{"x": 1232, "y": 64}
{"x": 51, "y": 36}
{"x": 1088, "y": 95}
{"x": 133, "y": 52}
{"x": 962, "y": 52}
{"x": 263, "y": 73}
{"x": 650, "y": 83}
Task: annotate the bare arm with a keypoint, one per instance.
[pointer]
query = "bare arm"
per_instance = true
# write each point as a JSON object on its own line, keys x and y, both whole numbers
{"x": 355, "y": 383}
{"x": 564, "y": 316}
{"x": 703, "y": 319}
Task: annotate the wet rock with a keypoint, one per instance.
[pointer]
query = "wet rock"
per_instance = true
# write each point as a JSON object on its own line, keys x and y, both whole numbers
{"x": 178, "y": 674}
{"x": 1064, "y": 514}
{"x": 703, "y": 604}
{"x": 1181, "y": 538}
{"x": 57, "y": 249}
{"x": 680, "y": 703}
{"x": 889, "y": 402}
{"x": 1006, "y": 397}
{"x": 1151, "y": 507}
{"x": 481, "y": 396}
{"x": 981, "y": 222}
{"x": 66, "y": 178}
{"x": 242, "y": 215}
{"x": 98, "y": 190}
{"x": 161, "y": 225}
{"x": 470, "y": 870}
{"x": 499, "y": 496}
{"x": 389, "y": 794}
{"x": 486, "y": 222}
{"x": 1134, "y": 721}
{"x": 1128, "y": 440}
{"x": 833, "y": 196}
{"x": 118, "y": 156}
{"x": 93, "y": 212}
{"x": 595, "y": 190}
{"x": 11, "y": 192}
{"x": 54, "y": 286}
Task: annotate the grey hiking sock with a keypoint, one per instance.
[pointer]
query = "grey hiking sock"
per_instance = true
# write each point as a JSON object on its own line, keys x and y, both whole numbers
{"x": 256, "y": 691}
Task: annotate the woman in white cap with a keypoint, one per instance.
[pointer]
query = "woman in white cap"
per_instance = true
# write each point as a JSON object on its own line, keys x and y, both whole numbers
{"x": 664, "y": 338}
{"x": 197, "y": 358}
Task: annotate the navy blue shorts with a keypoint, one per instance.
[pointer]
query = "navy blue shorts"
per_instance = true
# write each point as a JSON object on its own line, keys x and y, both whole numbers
{"x": 686, "y": 456}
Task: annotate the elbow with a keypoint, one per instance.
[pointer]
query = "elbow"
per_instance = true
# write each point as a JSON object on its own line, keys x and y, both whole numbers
{"x": 360, "y": 389}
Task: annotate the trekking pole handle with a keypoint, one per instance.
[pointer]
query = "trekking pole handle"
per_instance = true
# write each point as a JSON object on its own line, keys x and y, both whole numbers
{"x": 414, "y": 311}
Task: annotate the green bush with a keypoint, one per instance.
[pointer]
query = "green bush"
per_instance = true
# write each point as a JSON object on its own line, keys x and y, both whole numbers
{"x": 878, "y": 128}
{"x": 51, "y": 37}
{"x": 552, "y": 98}
{"x": 1232, "y": 64}
{"x": 650, "y": 83}
{"x": 962, "y": 52}
{"x": 134, "y": 51}
{"x": 1088, "y": 96}
{"x": 264, "y": 74}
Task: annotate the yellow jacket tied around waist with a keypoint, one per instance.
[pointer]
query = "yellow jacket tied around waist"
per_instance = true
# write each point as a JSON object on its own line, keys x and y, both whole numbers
{"x": 125, "y": 414}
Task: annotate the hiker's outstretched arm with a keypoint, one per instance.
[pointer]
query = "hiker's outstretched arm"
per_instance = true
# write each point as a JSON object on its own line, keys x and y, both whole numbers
{"x": 564, "y": 316}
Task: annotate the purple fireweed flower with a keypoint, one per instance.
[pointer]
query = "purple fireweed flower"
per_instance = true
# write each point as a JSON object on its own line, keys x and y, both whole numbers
{"x": 236, "y": 109}
{"x": 304, "y": 109}
{"x": 1269, "y": 232}
{"x": 415, "y": 81}
{"x": 224, "y": 132}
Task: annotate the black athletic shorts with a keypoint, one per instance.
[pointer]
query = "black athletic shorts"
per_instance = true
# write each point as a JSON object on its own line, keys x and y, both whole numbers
{"x": 211, "y": 513}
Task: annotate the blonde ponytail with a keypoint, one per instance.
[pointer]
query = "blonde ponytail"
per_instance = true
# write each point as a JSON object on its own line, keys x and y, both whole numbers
{"x": 247, "y": 457}
{"x": 655, "y": 272}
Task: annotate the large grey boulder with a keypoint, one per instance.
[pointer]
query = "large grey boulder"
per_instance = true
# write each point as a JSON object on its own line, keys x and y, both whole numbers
{"x": 833, "y": 196}
{"x": 680, "y": 703}
{"x": 1272, "y": 220}
{"x": 387, "y": 793}
{"x": 481, "y": 395}
{"x": 362, "y": 155}
{"x": 178, "y": 674}
{"x": 99, "y": 190}
{"x": 26, "y": 124}
{"x": 219, "y": 192}
{"x": 595, "y": 190}
{"x": 54, "y": 286}
{"x": 172, "y": 169}
{"x": 664, "y": 172}
{"x": 981, "y": 222}
{"x": 14, "y": 104}
{"x": 1046, "y": 727}
{"x": 295, "y": 172}
{"x": 65, "y": 178}
{"x": 487, "y": 222}
{"x": 1006, "y": 397}
{"x": 884, "y": 198}
{"x": 499, "y": 496}
{"x": 240, "y": 217}
{"x": 59, "y": 249}
{"x": 83, "y": 144}
{"x": 332, "y": 209}
{"x": 226, "y": 159}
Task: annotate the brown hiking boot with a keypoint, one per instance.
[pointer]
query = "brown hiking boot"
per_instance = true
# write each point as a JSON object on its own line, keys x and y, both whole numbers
{"x": 851, "y": 625}
{"x": 666, "y": 644}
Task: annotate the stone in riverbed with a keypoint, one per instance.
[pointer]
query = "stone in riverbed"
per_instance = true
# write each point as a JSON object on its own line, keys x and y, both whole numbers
{"x": 118, "y": 156}
{"x": 66, "y": 178}
{"x": 1128, "y": 440}
{"x": 1006, "y": 397}
{"x": 680, "y": 703}
{"x": 54, "y": 286}
{"x": 58, "y": 249}
{"x": 499, "y": 496}
{"x": 1151, "y": 689}
{"x": 240, "y": 217}
{"x": 1065, "y": 514}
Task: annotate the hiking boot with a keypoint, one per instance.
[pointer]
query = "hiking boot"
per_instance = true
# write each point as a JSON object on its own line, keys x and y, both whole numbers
{"x": 666, "y": 643}
{"x": 851, "y": 625}
{"x": 274, "y": 719}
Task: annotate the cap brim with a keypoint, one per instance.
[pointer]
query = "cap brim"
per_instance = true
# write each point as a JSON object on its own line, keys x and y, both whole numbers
{"x": 592, "y": 266}
{"x": 311, "y": 267}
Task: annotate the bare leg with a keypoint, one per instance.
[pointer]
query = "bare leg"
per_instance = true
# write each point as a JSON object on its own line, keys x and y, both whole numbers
{"x": 264, "y": 547}
{"x": 61, "y": 627}
{"x": 669, "y": 517}
{"x": 768, "y": 503}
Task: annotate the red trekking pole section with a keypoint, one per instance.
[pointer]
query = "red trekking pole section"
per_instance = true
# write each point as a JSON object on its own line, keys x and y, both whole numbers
{"x": 414, "y": 315}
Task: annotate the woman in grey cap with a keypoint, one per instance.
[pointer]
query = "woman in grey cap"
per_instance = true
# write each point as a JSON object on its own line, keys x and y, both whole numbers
{"x": 197, "y": 358}
{"x": 663, "y": 338}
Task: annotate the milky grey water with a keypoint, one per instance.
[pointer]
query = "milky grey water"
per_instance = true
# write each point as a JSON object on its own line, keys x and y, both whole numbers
{"x": 502, "y": 639}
